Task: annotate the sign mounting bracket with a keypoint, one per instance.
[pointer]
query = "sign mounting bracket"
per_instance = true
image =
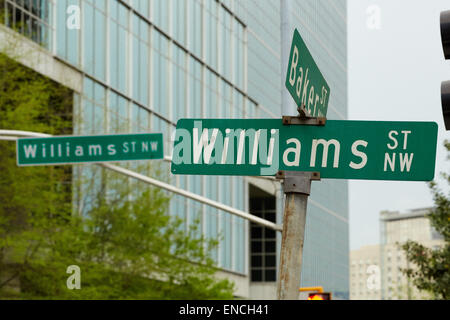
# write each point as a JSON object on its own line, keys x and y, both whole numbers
{"x": 304, "y": 118}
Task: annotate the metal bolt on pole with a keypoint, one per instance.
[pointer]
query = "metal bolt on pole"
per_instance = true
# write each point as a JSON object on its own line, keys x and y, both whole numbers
{"x": 297, "y": 187}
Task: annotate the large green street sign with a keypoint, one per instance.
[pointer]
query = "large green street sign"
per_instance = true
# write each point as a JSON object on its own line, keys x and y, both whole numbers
{"x": 342, "y": 149}
{"x": 82, "y": 149}
{"x": 304, "y": 80}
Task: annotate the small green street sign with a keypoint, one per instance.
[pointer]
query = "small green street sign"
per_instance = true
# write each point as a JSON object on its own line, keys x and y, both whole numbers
{"x": 372, "y": 150}
{"x": 83, "y": 149}
{"x": 304, "y": 80}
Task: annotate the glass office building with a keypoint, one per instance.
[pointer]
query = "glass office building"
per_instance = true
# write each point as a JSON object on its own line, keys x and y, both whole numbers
{"x": 145, "y": 64}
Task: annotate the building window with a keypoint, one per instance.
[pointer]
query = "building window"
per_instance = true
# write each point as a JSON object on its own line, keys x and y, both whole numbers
{"x": 31, "y": 18}
{"x": 435, "y": 235}
{"x": 263, "y": 262}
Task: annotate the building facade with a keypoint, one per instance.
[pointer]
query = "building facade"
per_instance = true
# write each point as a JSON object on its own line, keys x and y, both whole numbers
{"x": 140, "y": 65}
{"x": 365, "y": 273}
{"x": 396, "y": 228}
{"x": 375, "y": 271}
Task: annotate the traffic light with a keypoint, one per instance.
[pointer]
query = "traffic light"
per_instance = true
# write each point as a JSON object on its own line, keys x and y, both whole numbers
{"x": 445, "y": 98}
{"x": 445, "y": 32}
{"x": 319, "y": 296}
{"x": 445, "y": 86}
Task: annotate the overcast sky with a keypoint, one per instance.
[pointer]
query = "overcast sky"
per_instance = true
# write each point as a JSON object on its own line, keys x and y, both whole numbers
{"x": 395, "y": 69}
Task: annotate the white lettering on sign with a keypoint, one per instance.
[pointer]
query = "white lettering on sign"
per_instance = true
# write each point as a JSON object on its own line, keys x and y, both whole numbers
{"x": 95, "y": 149}
{"x": 225, "y": 146}
{"x": 273, "y": 132}
{"x": 390, "y": 161}
{"x": 56, "y": 150}
{"x": 311, "y": 99}
{"x": 391, "y": 133}
{"x": 30, "y": 151}
{"x": 326, "y": 145}
{"x": 296, "y": 151}
{"x": 203, "y": 146}
{"x": 360, "y": 154}
{"x": 111, "y": 149}
{"x": 294, "y": 62}
{"x": 298, "y": 87}
{"x": 305, "y": 84}
{"x": 404, "y": 159}
{"x": 203, "y": 143}
{"x": 405, "y": 140}
{"x": 307, "y": 95}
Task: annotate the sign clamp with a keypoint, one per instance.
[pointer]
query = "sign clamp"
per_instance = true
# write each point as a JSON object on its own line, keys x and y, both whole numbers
{"x": 304, "y": 118}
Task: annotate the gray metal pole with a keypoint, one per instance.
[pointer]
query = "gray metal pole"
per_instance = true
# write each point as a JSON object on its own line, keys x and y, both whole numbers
{"x": 297, "y": 187}
{"x": 292, "y": 246}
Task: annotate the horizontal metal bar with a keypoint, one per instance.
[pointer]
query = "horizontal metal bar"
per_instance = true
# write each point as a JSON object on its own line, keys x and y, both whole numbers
{"x": 163, "y": 185}
{"x": 194, "y": 196}
{"x": 23, "y": 133}
{"x": 306, "y": 289}
{"x": 7, "y": 138}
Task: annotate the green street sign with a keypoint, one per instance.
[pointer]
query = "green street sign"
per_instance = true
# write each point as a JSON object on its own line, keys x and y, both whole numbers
{"x": 82, "y": 149}
{"x": 373, "y": 150}
{"x": 304, "y": 80}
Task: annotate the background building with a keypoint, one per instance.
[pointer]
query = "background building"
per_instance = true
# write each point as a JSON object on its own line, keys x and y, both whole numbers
{"x": 396, "y": 228}
{"x": 139, "y": 66}
{"x": 375, "y": 271}
{"x": 365, "y": 273}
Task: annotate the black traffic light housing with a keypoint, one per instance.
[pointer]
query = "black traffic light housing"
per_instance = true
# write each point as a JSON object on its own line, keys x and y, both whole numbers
{"x": 445, "y": 97}
{"x": 445, "y": 86}
{"x": 445, "y": 32}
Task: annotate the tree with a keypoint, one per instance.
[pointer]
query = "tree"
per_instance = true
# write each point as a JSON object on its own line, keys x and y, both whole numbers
{"x": 431, "y": 271}
{"x": 126, "y": 245}
{"x": 126, "y": 249}
{"x": 29, "y": 196}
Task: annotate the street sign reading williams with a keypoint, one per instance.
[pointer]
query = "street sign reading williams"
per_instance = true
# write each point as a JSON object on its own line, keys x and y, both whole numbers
{"x": 343, "y": 149}
{"x": 82, "y": 149}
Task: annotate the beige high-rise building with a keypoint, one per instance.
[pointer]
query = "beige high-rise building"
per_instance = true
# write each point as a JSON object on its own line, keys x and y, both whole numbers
{"x": 395, "y": 229}
{"x": 375, "y": 270}
{"x": 365, "y": 273}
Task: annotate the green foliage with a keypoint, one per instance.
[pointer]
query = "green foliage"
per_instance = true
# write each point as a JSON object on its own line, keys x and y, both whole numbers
{"x": 126, "y": 246}
{"x": 432, "y": 267}
{"x": 126, "y": 249}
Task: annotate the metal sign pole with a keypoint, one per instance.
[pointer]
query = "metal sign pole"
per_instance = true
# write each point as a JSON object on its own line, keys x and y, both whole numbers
{"x": 297, "y": 187}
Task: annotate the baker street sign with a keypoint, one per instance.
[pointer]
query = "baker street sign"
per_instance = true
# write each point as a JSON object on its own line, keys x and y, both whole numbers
{"x": 82, "y": 149}
{"x": 304, "y": 81}
{"x": 342, "y": 149}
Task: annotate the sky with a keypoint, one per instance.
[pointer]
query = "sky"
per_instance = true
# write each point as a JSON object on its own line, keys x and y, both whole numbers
{"x": 395, "y": 69}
